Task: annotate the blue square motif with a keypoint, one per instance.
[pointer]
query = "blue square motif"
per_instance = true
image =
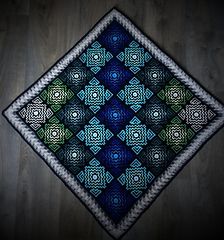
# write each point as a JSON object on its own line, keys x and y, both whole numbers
{"x": 136, "y": 178}
{"x": 94, "y": 95}
{"x": 95, "y": 177}
{"x": 134, "y": 57}
{"x": 134, "y": 94}
{"x": 95, "y": 57}
{"x": 94, "y": 135}
{"x": 136, "y": 135}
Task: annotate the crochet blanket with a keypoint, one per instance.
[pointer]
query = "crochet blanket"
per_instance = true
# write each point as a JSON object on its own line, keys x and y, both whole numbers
{"x": 116, "y": 119}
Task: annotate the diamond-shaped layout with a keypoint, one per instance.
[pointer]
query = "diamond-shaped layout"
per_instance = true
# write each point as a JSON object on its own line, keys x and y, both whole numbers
{"x": 116, "y": 119}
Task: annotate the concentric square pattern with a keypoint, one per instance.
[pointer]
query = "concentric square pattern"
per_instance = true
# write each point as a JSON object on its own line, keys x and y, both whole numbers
{"x": 116, "y": 119}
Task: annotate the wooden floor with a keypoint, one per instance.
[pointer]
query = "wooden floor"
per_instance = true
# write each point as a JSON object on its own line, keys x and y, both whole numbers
{"x": 34, "y": 203}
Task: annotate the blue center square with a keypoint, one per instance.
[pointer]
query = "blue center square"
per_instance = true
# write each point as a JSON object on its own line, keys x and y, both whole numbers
{"x": 114, "y": 75}
{"x": 115, "y": 115}
{"x": 115, "y": 156}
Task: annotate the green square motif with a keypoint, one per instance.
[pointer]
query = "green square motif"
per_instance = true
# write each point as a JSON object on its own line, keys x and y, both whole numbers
{"x": 176, "y": 134}
{"x": 54, "y": 133}
{"x": 56, "y": 94}
{"x": 175, "y": 95}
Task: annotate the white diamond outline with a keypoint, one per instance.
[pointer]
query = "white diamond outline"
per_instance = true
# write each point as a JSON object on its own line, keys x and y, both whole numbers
{"x": 115, "y": 230}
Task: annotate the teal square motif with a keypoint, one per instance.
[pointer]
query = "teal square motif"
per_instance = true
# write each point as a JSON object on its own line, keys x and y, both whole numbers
{"x": 134, "y": 94}
{"x": 95, "y": 57}
{"x": 136, "y": 178}
{"x": 94, "y": 135}
{"x": 136, "y": 135}
{"x": 134, "y": 57}
{"x": 54, "y": 133}
{"x": 175, "y": 95}
{"x": 94, "y": 95}
{"x": 176, "y": 134}
{"x": 95, "y": 177}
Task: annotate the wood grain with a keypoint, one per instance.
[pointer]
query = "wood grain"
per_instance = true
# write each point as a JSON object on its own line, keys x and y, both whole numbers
{"x": 34, "y": 203}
